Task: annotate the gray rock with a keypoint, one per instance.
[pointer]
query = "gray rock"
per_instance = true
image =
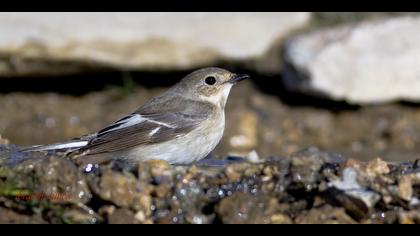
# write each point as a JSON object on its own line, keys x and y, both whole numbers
{"x": 356, "y": 199}
{"x": 369, "y": 62}
{"x": 41, "y": 42}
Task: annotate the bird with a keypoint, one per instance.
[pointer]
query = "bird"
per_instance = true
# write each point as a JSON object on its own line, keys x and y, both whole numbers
{"x": 180, "y": 126}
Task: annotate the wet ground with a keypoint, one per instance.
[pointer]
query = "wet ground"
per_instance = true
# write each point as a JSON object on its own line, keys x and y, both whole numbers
{"x": 312, "y": 186}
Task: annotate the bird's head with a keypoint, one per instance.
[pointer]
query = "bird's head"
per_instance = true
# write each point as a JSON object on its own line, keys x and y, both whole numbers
{"x": 210, "y": 84}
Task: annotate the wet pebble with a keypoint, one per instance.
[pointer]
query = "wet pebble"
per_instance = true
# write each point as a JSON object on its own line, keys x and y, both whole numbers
{"x": 122, "y": 216}
{"x": 245, "y": 208}
{"x": 8, "y": 216}
{"x": 405, "y": 190}
{"x": 377, "y": 167}
{"x": 78, "y": 216}
{"x": 124, "y": 190}
{"x": 351, "y": 195}
{"x": 410, "y": 217}
{"x": 325, "y": 215}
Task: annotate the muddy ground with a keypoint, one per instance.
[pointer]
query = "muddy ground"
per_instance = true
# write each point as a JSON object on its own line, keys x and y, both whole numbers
{"x": 312, "y": 186}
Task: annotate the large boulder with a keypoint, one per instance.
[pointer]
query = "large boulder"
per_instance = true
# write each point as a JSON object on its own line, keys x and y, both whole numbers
{"x": 57, "y": 43}
{"x": 369, "y": 62}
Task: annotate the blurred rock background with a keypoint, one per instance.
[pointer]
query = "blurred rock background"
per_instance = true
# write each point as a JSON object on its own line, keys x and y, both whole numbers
{"x": 345, "y": 82}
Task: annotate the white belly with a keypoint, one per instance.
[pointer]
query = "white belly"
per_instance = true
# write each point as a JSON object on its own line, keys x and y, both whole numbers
{"x": 184, "y": 150}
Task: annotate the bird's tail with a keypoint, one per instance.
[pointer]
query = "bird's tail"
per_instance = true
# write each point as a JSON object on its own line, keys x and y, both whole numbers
{"x": 69, "y": 146}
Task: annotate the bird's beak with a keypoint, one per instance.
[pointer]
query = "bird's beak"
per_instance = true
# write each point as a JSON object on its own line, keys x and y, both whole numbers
{"x": 238, "y": 77}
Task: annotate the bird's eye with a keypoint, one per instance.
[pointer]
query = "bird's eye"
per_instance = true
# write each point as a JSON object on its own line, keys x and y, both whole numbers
{"x": 210, "y": 80}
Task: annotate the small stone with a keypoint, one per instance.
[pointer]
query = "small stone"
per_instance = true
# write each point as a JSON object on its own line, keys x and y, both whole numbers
{"x": 3, "y": 140}
{"x": 414, "y": 202}
{"x": 253, "y": 157}
{"x": 269, "y": 171}
{"x": 232, "y": 174}
{"x": 387, "y": 199}
{"x": 353, "y": 163}
{"x": 377, "y": 167}
{"x": 76, "y": 216}
{"x": 143, "y": 202}
{"x": 243, "y": 208}
{"x": 158, "y": 168}
{"x": 247, "y": 132}
{"x": 351, "y": 195}
{"x": 405, "y": 189}
{"x": 325, "y": 215}
{"x": 280, "y": 219}
{"x": 198, "y": 219}
{"x": 122, "y": 216}
{"x": 410, "y": 217}
{"x": 140, "y": 216}
{"x": 119, "y": 188}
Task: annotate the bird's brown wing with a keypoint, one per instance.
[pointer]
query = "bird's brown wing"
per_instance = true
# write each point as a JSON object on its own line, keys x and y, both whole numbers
{"x": 143, "y": 128}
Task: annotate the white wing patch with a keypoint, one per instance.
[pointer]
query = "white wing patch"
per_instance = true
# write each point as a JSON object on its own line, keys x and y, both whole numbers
{"x": 160, "y": 123}
{"x": 129, "y": 121}
{"x": 70, "y": 145}
{"x": 58, "y": 146}
{"x": 123, "y": 123}
{"x": 132, "y": 120}
{"x": 154, "y": 131}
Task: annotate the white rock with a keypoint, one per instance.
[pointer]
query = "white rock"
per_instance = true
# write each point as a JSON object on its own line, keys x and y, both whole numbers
{"x": 371, "y": 62}
{"x": 253, "y": 157}
{"x": 351, "y": 187}
{"x": 139, "y": 40}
